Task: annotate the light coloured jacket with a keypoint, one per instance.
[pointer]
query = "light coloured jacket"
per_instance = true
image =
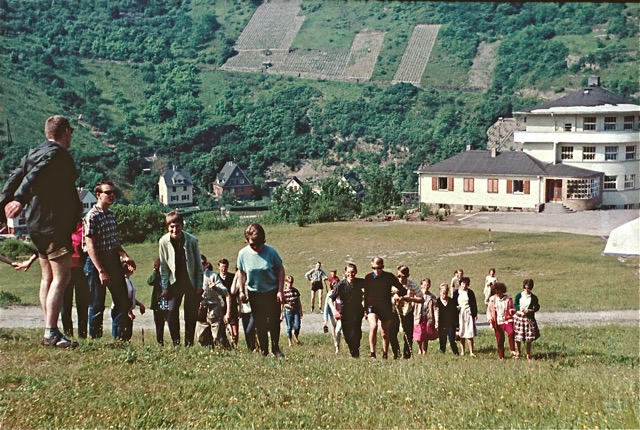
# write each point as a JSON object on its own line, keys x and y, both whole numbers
{"x": 428, "y": 310}
{"x": 492, "y": 314}
{"x": 168, "y": 261}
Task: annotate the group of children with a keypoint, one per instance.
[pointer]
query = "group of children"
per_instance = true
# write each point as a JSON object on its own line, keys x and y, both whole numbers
{"x": 449, "y": 317}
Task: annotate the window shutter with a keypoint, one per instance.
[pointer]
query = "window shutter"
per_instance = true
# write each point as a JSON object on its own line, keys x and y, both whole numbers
{"x": 527, "y": 187}
{"x": 471, "y": 185}
{"x": 509, "y": 186}
{"x": 450, "y": 184}
{"x": 434, "y": 183}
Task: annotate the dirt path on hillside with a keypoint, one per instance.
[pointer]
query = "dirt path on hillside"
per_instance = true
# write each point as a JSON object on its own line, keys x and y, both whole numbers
{"x": 31, "y": 317}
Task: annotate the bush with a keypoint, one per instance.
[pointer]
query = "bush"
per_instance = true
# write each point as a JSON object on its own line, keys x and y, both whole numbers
{"x": 137, "y": 223}
{"x": 15, "y": 248}
{"x": 204, "y": 221}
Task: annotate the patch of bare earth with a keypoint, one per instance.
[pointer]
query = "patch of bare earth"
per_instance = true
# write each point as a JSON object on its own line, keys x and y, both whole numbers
{"x": 481, "y": 72}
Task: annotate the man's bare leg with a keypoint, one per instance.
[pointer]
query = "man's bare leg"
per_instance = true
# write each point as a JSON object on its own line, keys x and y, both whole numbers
{"x": 57, "y": 273}
{"x": 384, "y": 329}
{"x": 373, "y": 333}
{"x": 45, "y": 283}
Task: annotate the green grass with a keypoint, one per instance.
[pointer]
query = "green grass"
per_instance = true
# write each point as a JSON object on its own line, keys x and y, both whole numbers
{"x": 443, "y": 70}
{"x": 27, "y": 128}
{"x": 580, "y": 378}
{"x": 569, "y": 272}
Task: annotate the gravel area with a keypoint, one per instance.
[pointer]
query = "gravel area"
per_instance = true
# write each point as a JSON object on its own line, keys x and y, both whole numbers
{"x": 31, "y": 317}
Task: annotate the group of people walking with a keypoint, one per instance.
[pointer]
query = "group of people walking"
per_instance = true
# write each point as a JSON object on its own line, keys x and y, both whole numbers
{"x": 85, "y": 256}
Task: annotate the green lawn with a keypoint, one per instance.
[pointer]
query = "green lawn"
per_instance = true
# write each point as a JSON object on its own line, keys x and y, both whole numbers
{"x": 580, "y": 378}
{"x": 569, "y": 272}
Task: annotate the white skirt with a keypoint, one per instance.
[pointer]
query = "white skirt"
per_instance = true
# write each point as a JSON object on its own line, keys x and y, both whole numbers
{"x": 467, "y": 324}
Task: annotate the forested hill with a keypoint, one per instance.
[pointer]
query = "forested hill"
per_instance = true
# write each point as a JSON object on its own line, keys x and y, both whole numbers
{"x": 146, "y": 78}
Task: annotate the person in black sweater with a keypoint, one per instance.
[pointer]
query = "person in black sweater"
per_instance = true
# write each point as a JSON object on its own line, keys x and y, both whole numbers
{"x": 377, "y": 303}
{"x": 447, "y": 319}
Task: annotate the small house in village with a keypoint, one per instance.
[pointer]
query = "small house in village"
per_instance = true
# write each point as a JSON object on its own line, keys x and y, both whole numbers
{"x": 175, "y": 188}
{"x": 232, "y": 179}
{"x": 294, "y": 183}
{"x": 88, "y": 200}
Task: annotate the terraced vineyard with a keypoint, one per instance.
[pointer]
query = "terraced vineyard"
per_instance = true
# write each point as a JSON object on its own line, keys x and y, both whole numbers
{"x": 273, "y": 26}
{"x": 417, "y": 53}
{"x": 363, "y": 55}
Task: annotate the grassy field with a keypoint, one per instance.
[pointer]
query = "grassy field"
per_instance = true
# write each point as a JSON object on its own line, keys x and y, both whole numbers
{"x": 569, "y": 273}
{"x": 580, "y": 378}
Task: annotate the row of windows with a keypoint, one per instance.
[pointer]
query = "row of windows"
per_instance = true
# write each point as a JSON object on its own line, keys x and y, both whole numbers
{"x": 583, "y": 188}
{"x": 589, "y": 152}
{"x": 514, "y": 186}
{"x": 174, "y": 189}
{"x": 589, "y": 123}
{"x": 184, "y": 197}
{"x": 611, "y": 182}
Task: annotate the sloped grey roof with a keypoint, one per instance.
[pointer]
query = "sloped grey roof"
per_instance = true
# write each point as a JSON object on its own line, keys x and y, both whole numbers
{"x": 170, "y": 176}
{"x": 512, "y": 163}
{"x": 584, "y": 97}
{"x": 227, "y": 171}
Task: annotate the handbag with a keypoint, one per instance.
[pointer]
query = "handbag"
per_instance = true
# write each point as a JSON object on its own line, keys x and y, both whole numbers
{"x": 508, "y": 328}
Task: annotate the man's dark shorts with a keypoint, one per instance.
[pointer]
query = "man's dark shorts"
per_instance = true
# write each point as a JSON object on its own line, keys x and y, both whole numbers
{"x": 384, "y": 315}
{"x": 52, "y": 246}
{"x": 316, "y": 285}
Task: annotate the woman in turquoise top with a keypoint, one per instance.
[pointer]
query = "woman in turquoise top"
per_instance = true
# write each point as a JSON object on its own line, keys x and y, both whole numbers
{"x": 261, "y": 274}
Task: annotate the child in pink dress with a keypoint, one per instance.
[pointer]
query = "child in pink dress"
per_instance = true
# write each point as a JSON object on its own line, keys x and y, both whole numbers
{"x": 425, "y": 318}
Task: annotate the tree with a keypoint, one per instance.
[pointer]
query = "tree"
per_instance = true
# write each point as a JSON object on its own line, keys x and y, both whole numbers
{"x": 381, "y": 193}
{"x": 137, "y": 223}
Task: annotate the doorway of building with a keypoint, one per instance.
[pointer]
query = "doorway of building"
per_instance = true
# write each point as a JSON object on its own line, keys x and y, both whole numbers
{"x": 554, "y": 190}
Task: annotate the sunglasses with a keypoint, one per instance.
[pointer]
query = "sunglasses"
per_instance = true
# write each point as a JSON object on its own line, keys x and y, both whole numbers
{"x": 109, "y": 192}
{"x": 376, "y": 268}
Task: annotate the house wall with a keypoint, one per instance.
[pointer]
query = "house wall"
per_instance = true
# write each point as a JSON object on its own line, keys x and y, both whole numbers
{"x": 457, "y": 198}
{"x": 175, "y": 195}
{"x": 545, "y": 137}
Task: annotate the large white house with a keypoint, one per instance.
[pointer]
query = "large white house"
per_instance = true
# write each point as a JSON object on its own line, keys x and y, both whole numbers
{"x": 579, "y": 150}
{"x": 593, "y": 129}
{"x": 175, "y": 188}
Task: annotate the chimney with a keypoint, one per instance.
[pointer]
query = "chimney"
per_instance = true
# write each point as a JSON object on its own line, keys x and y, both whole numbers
{"x": 494, "y": 153}
{"x": 593, "y": 81}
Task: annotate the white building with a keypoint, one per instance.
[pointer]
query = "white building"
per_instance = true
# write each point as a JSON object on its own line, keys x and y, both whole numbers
{"x": 511, "y": 180}
{"x": 593, "y": 129}
{"x": 175, "y": 188}
{"x": 88, "y": 200}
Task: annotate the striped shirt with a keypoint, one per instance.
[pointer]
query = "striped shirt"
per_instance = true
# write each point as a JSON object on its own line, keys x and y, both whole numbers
{"x": 292, "y": 300}
{"x": 101, "y": 227}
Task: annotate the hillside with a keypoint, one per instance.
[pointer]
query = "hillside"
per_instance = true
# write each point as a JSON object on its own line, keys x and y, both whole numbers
{"x": 351, "y": 86}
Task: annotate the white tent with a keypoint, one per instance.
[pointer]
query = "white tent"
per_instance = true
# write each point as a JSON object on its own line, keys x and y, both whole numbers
{"x": 624, "y": 240}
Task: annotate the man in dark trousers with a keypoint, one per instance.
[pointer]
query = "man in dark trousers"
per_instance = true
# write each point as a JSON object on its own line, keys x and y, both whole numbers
{"x": 104, "y": 265}
{"x": 45, "y": 183}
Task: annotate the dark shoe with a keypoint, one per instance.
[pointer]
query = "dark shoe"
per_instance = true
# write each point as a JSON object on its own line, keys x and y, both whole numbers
{"x": 385, "y": 355}
{"x": 325, "y": 329}
{"x": 279, "y": 354}
{"x": 372, "y": 354}
{"x": 59, "y": 341}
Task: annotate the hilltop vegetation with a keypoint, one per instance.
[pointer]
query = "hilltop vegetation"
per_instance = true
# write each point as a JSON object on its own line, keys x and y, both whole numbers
{"x": 144, "y": 76}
